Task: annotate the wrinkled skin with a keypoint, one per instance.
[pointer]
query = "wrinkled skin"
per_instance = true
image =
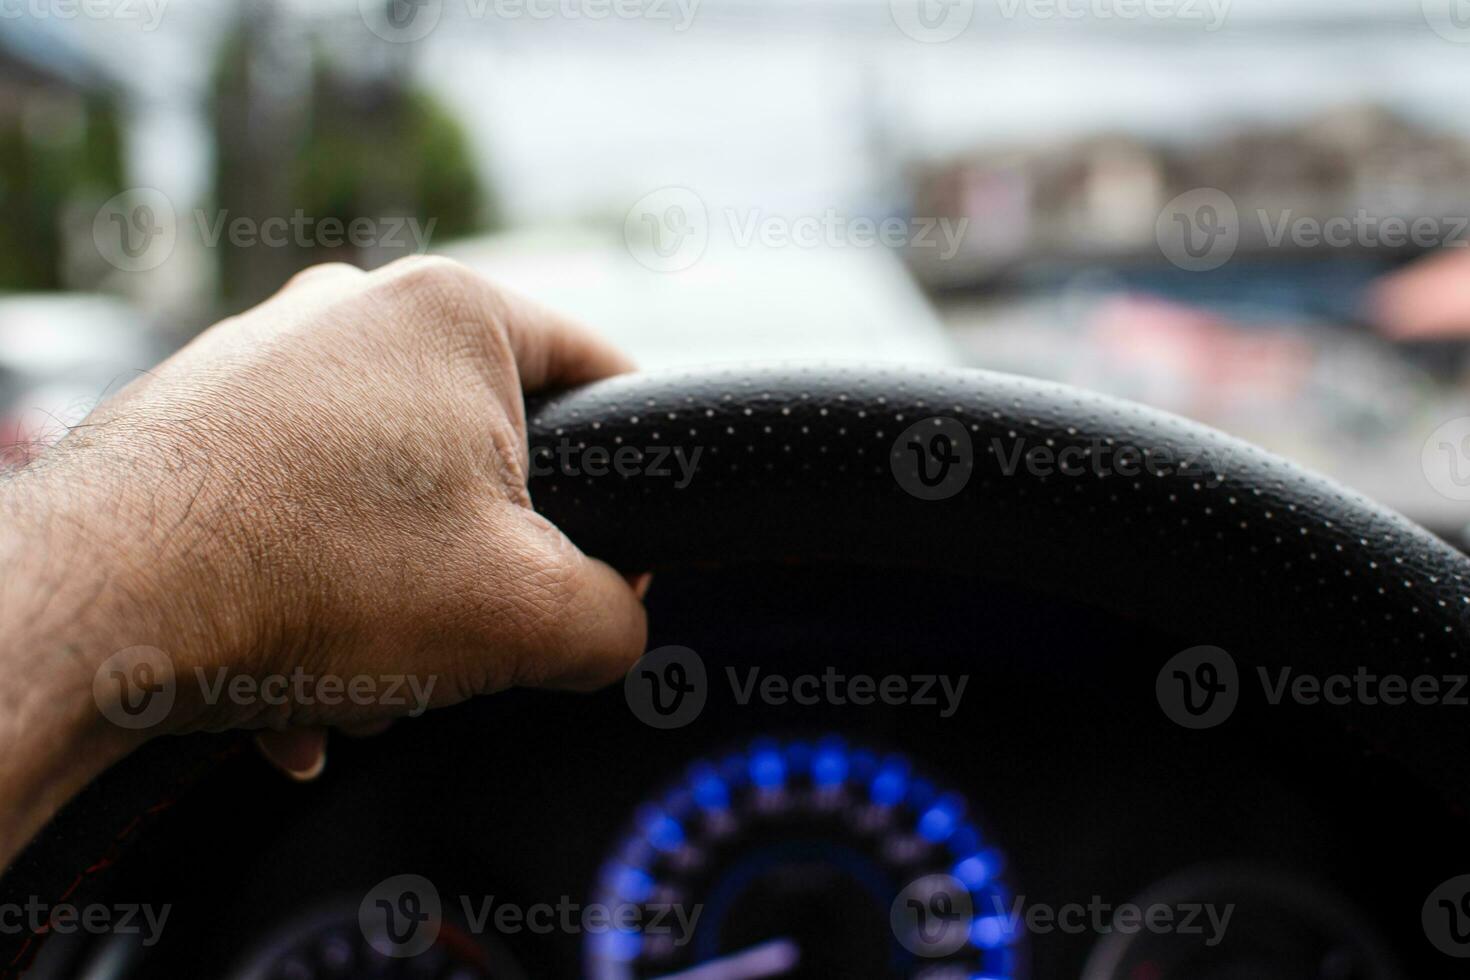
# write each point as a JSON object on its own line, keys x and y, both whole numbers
{"x": 332, "y": 483}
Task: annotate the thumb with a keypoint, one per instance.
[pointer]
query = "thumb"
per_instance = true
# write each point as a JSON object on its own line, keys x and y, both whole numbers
{"x": 587, "y": 624}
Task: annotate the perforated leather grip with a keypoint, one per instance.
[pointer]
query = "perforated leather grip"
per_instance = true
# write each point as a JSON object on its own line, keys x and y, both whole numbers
{"x": 1107, "y": 502}
{"x": 1015, "y": 480}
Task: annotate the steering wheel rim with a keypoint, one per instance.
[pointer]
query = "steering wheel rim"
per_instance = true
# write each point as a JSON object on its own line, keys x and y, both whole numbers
{"x": 776, "y": 444}
{"x": 1202, "y": 534}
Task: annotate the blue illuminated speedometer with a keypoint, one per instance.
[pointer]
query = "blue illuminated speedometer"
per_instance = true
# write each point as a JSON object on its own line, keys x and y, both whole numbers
{"x": 802, "y": 858}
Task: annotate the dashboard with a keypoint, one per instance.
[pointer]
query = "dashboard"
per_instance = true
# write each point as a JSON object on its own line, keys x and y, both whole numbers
{"x": 821, "y": 773}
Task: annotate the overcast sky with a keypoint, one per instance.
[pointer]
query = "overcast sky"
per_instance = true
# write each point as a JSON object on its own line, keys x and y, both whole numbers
{"x": 785, "y": 100}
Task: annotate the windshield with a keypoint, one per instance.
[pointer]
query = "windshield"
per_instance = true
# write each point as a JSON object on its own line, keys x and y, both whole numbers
{"x": 1251, "y": 212}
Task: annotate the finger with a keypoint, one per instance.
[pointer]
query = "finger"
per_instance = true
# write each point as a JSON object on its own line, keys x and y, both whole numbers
{"x": 366, "y": 729}
{"x": 639, "y": 583}
{"x": 584, "y": 625}
{"x": 553, "y": 350}
{"x": 300, "y": 753}
{"x": 550, "y": 349}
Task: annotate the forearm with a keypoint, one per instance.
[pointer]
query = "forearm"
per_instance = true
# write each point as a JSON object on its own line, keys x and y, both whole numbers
{"x": 83, "y": 575}
{"x": 331, "y": 484}
{"x": 53, "y": 739}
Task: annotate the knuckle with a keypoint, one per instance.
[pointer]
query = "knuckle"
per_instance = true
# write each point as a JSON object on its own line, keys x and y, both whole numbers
{"x": 433, "y": 272}
{"x": 321, "y": 272}
{"x": 458, "y": 303}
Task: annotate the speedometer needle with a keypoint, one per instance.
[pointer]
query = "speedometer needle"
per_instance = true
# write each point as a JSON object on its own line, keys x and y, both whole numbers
{"x": 766, "y": 960}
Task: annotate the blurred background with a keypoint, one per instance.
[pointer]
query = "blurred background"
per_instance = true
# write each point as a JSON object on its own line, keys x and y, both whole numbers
{"x": 1250, "y": 212}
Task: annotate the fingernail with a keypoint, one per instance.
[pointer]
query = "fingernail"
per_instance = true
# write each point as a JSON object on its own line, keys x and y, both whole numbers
{"x": 640, "y": 584}
{"x": 300, "y": 754}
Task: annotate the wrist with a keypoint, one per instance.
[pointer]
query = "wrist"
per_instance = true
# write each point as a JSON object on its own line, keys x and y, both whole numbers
{"x": 53, "y": 738}
{"x": 72, "y": 595}
{"x": 53, "y": 741}
{"x": 112, "y": 556}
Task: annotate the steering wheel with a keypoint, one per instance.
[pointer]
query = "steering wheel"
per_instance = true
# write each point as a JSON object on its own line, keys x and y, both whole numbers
{"x": 1005, "y": 479}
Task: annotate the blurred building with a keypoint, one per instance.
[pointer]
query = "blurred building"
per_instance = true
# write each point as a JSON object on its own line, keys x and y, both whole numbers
{"x": 1097, "y": 199}
{"x": 318, "y": 122}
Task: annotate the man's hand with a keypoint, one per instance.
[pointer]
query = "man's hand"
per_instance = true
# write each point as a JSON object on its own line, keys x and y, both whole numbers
{"x": 332, "y": 485}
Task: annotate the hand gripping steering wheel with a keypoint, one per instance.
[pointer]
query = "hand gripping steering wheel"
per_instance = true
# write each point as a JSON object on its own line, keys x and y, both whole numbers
{"x": 1006, "y": 479}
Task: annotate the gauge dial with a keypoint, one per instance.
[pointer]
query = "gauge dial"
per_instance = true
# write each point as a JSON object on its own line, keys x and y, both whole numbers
{"x": 805, "y": 859}
{"x": 1280, "y": 927}
{"x": 330, "y": 943}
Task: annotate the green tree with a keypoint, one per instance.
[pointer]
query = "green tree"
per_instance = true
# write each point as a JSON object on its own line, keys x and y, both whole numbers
{"x": 42, "y": 176}
{"x": 351, "y": 146}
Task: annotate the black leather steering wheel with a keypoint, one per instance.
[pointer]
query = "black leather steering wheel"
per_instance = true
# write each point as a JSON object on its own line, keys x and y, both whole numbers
{"x": 1138, "y": 512}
